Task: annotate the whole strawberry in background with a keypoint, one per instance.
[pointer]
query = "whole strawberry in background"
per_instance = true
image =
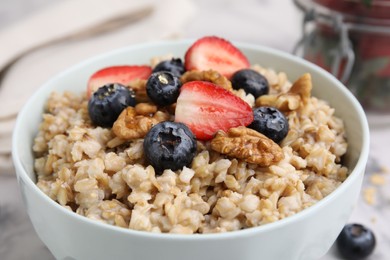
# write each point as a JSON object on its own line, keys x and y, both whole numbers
{"x": 370, "y": 38}
{"x": 367, "y": 8}
{"x": 374, "y": 46}
{"x": 370, "y": 78}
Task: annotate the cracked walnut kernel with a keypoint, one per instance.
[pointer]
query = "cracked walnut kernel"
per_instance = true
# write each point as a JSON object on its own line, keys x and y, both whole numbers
{"x": 145, "y": 109}
{"x": 132, "y": 125}
{"x": 139, "y": 87}
{"x": 207, "y": 75}
{"x": 302, "y": 87}
{"x": 297, "y": 95}
{"x": 249, "y": 145}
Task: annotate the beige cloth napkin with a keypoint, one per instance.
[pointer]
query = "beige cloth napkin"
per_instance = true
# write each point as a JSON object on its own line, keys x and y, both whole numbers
{"x": 64, "y": 34}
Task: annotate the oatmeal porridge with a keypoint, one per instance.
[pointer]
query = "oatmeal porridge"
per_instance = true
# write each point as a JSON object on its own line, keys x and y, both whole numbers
{"x": 203, "y": 146}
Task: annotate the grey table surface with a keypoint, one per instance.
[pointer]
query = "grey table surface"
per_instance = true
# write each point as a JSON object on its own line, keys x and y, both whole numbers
{"x": 18, "y": 240}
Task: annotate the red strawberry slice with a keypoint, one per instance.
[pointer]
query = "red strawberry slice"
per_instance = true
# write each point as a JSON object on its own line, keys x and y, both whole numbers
{"x": 117, "y": 74}
{"x": 215, "y": 53}
{"x": 206, "y": 108}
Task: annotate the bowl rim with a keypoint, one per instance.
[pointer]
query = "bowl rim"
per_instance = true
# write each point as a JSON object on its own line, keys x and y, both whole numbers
{"x": 22, "y": 175}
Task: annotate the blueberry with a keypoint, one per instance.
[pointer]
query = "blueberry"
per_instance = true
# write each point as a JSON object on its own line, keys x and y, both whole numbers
{"x": 174, "y": 66}
{"x": 270, "y": 122}
{"x": 355, "y": 241}
{"x": 107, "y": 103}
{"x": 163, "y": 88}
{"x": 169, "y": 145}
{"x": 251, "y": 81}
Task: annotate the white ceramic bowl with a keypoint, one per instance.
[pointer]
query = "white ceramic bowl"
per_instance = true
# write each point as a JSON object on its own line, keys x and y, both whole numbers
{"x": 306, "y": 235}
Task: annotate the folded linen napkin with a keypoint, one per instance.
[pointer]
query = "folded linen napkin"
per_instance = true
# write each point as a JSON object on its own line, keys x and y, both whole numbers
{"x": 46, "y": 43}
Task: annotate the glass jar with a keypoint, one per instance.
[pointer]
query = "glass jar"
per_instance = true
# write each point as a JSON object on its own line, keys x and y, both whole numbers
{"x": 351, "y": 39}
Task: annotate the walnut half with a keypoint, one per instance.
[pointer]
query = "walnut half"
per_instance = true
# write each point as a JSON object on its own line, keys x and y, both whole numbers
{"x": 136, "y": 122}
{"x": 249, "y": 145}
{"x": 297, "y": 95}
{"x": 207, "y": 75}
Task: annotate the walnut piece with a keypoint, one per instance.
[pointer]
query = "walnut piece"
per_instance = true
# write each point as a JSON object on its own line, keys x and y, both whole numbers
{"x": 302, "y": 87}
{"x": 131, "y": 125}
{"x": 145, "y": 109}
{"x": 298, "y": 94}
{"x": 283, "y": 102}
{"x": 207, "y": 75}
{"x": 249, "y": 145}
{"x": 139, "y": 87}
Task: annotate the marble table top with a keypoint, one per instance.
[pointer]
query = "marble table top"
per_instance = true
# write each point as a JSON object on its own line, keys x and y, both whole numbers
{"x": 18, "y": 239}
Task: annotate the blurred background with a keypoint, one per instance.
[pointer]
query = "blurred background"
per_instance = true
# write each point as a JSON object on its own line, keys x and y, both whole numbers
{"x": 351, "y": 39}
{"x": 249, "y": 21}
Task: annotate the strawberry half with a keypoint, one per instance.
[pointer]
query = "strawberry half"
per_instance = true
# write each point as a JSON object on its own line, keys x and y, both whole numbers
{"x": 117, "y": 74}
{"x": 215, "y": 53}
{"x": 206, "y": 108}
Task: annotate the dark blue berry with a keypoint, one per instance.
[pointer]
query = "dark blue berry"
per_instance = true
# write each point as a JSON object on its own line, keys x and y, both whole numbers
{"x": 270, "y": 122}
{"x": 163, "y": 88}
{"x": 107, "y": 103}
{"x": 169, "y": 145}
{"x": 174, "y": 66}
{"x": 251, "y": 81}
{"x": 355, "y": 241}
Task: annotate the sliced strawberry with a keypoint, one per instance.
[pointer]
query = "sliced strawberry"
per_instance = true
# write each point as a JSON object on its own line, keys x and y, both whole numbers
{"x": 206, "y": 108}
{"x": 117, "y": 74}
{"x": 215, "y": 53}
